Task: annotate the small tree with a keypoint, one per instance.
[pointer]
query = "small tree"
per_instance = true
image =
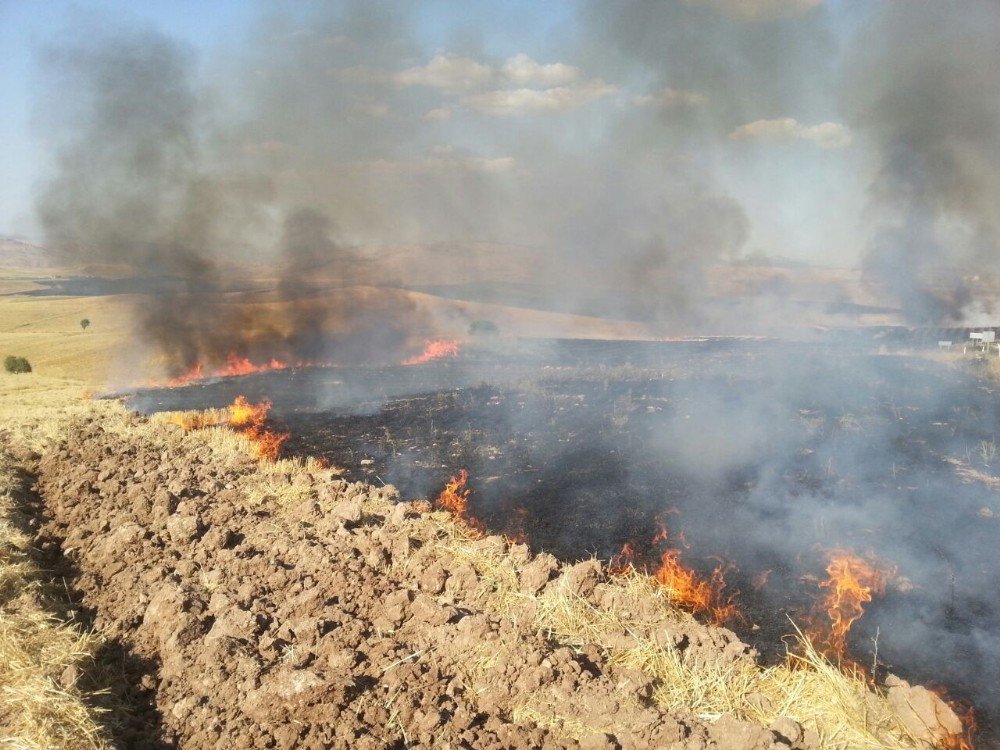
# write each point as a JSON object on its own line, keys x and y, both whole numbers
{"x": 85, "y": 323}
{"x": 16, "y": 365}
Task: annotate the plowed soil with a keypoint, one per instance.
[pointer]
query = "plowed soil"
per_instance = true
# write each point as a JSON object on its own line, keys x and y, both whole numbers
{"x": 325, "y": 614}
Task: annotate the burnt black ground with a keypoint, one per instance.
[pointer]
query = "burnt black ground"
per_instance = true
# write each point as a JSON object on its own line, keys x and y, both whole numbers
{"x": 763, "y": 454}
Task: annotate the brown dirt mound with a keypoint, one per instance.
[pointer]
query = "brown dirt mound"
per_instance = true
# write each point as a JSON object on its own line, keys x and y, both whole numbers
{"x": 326, "y": 622}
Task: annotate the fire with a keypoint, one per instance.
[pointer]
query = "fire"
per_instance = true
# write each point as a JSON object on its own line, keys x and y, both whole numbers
{"x": 454, "y": 498}
{"x": 683, "y": 586}
{"x": 435, "y": 349}
{"x": 248, "y": 419}
{"x": 234, "y": 365}
{"x": 516, "y": 531}
{"x": 242, "y": 417}
{"x": 690, "y": 591}
{"x": 191, "y": 375}
{"x": 852, "y": 583}
{"x": 624, "y": 560}
{"x": 242, "y": 366}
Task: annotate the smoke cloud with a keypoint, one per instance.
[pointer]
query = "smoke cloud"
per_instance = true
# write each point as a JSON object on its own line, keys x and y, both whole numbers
{"x": 918, "y": 86}
{"x": 598, "y": 170}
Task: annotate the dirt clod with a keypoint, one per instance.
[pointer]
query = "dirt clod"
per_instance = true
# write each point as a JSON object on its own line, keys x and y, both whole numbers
{"x": 925, "y": 715}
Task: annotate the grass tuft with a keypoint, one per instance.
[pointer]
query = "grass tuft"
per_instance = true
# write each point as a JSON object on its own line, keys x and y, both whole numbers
{"x": 40, "y": 706}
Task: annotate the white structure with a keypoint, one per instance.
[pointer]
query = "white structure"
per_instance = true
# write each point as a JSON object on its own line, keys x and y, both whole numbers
{"x": 985, "y": 340}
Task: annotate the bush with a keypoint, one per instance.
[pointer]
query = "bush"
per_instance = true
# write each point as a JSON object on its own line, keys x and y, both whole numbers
{"x": 85, "y": 323}
{"x": 16, "y": 364}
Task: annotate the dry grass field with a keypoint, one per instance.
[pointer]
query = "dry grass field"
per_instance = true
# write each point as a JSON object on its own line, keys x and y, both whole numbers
{"x": 47, "y": 331}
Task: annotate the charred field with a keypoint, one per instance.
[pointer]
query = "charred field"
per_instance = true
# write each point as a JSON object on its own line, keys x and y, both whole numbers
{"x": 756, "y": 462}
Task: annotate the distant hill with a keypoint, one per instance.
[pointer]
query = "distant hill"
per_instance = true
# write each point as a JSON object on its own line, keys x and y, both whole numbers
{"x": 20, "y": 254}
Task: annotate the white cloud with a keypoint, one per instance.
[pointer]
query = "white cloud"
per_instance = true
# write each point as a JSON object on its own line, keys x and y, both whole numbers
{"x": 448, "y": 72}
{"x": 827, "y": 135}
{"x": 508, "y": 102}
{"x": 671, "y": 98}
{"x": 444, "y": 71}
{"x": 757, "y": 10}
{"x": 523, "y": 70}
{"x": 439, "y": 113}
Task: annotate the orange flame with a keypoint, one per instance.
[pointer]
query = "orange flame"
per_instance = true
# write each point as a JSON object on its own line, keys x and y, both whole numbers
{"x": 234, "y": 365}
{"x": 435, "y": 349}
{"x": 242, "y": 366}
{"x": 516, "y": 531}
{"x": 248, "y": 419}
{"x": 454, "y": 498}
{"x": 624, "y": 561}
{"x": 683, "y": 586}
{"x": 192, "y": 374}
{"x": 852, "y": 583}
{"x": 241, "y": 417}
{"x": 687, "y": 589}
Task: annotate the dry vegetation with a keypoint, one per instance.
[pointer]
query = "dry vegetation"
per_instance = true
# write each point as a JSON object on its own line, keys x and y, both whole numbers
{"x": 41, "y": 656}
{"x": 47, "y": 331}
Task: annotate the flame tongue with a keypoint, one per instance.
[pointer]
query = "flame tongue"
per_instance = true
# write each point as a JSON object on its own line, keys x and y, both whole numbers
{"x": 241, "y": 417}
{"x": 192, "y": 374}
{"x": 435, "y": 349}
{"x": 683, "y": 586}
{"x": 248, "y": 419}
{"x": 690, "y": 591}
{"x": 852, "y": 582}
{"x": 235, "y": 365}
{"x": 454, "y": 498}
